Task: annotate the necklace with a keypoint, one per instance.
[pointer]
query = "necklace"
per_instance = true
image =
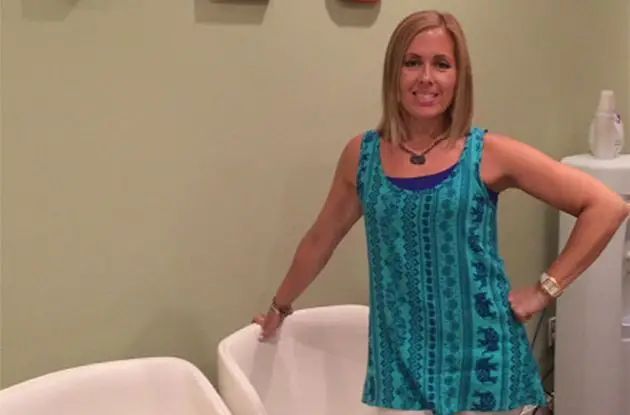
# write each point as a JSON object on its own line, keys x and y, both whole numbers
{"x": 420, "y": 158}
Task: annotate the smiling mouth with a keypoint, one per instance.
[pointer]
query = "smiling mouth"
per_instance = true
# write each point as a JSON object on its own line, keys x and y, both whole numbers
{"x": 425, "y": 97}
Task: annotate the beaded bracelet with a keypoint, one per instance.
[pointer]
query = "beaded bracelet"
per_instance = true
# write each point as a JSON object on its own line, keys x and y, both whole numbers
{"x": 284, "y": 311}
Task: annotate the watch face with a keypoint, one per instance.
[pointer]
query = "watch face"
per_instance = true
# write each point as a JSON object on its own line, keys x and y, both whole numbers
{"x": 550, "y": 287}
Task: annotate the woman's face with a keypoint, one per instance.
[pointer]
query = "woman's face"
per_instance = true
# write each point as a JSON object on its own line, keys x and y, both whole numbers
{"x": 429, "y": 76}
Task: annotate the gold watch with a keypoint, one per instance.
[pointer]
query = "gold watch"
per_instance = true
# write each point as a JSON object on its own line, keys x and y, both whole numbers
{"x": 550, "y": 285}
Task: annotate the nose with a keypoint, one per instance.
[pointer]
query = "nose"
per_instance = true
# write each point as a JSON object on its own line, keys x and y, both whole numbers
{"x": 426, "y": 74}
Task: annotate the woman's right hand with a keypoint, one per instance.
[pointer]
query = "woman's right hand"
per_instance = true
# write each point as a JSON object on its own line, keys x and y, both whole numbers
{"x": 270, "y": 323}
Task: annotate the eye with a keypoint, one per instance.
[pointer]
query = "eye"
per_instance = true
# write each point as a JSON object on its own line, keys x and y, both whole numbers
{"x": 444, "y": 65}
{"x": 412, "y": 63}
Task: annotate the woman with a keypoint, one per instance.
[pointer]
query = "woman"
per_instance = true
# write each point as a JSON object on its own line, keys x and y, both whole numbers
{"x": 446, "y": 330}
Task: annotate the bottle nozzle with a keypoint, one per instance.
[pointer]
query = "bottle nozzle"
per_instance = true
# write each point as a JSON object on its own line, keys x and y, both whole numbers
{"x": 606, "y": 101}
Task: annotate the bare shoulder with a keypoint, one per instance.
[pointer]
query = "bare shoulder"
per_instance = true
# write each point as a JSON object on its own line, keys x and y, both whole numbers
{"x": 507, "y": 162}
{"x": 522, "y": 166}
{"x": 492, "y": 173}
{"x": 349, "y": 160}
{"x": 511, "y": 155}
{"x": 353, "y": 146}
{"x": 500, "y": 143}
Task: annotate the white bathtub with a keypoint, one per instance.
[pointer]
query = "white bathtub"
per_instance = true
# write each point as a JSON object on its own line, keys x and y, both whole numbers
{"x": 143, "y": 386}
{"x": 315, "y": 367}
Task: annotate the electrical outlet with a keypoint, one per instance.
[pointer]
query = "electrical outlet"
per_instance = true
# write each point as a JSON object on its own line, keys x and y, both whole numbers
{"x": 551, "y": 331}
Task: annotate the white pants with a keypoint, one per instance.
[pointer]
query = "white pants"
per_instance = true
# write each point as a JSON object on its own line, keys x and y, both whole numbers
{"x": 518, "y": 411}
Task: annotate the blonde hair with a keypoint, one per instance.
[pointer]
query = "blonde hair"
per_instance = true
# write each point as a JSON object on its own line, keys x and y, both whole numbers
{"x": 459, "y": 113}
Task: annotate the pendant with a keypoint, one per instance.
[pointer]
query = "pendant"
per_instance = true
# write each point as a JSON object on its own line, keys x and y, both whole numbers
{"x": 417, "y": 159}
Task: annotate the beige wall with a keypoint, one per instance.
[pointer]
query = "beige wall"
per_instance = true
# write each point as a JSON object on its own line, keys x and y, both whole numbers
{"x": 161, "y": 159}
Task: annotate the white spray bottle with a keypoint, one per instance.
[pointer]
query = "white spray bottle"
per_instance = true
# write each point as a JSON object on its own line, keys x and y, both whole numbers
{"x": 606, "y": 135}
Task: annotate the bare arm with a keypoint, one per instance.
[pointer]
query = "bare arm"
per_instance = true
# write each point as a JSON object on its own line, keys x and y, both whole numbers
{"x": 340, "y": 212}
{"x": 599, "y": 210}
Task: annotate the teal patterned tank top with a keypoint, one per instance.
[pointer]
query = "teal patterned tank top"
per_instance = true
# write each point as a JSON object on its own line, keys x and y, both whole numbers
{"x": 442, "y": 333}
